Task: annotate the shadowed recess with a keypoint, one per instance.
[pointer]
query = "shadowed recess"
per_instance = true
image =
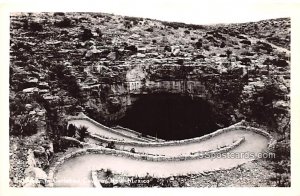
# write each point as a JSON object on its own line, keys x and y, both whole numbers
{"x": 170, "y": 116}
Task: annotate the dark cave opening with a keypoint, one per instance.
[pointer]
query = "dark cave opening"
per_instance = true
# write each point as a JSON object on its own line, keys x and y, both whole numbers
{"x": 170, "y": 116}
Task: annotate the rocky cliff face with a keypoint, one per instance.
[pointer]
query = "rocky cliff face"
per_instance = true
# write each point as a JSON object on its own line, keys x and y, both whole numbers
{"x": 80, "y": 66}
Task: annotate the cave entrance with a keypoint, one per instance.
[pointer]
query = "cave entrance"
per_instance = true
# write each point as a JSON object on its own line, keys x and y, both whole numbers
{"x": 170, "y": 116}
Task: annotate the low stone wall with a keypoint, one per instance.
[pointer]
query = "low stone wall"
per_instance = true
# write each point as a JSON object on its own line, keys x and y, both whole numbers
{"x": 221, "y": 150}
{"x": 169, "y": 143}
{"x": 197, "y": 155}
{"x": 95, "y": 180}
{"x": 148, "y": 137}
{"x": 81, "y": 116}
{"x": 272, "y": 142}
{"x": 102, "y": 150}
{"x": 150, "y": 144}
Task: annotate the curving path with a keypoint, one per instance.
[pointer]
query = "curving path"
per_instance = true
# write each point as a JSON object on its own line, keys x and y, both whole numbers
{"x": 77, "y": 171}
{"x": 168, "y": 150}
{"x": 93, "y": 129}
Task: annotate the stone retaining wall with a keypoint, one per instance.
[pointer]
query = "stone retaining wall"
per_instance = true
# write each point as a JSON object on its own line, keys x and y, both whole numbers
{"x": 156, "y": 144}
{"x": 272, "y": 142}
{"x": 95, "y": 180}
{"x": 106, "y": 151}
{"x": 198, "y": 155}
{"x": 104, "y": 127}
{"x": 148, "y": 137}
{"x": 167, "y": 143}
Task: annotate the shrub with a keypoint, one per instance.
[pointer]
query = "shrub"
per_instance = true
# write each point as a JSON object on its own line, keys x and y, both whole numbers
{"x": 150, "y": 29}
{"x": 228, "y": 53}
{"x": 276, "y": 62}
{"x": 246, "y": 42}
{"x": 199, "y": 44}
{"x": 22, "y": 125}
{"x": 71, "y": 131}
{"x": 82, "y": 131}
{"x": 206, "y": 47}
{"x": 248, "y": 53}
{"x": 199, "y": 56}
{"x": 111, "y": 145}
{"x": 132, "y": 48}
{"x": 86, "y": 34}
{"x": 263, "y": 46}
{"x": 245, "y": 61}
{"x": 168, "y": 48}
{"x": 59, "y": 14}
{"x": 35, "y": 26}
{"x": 222, "y": 45}
{"x": 108, "y": 173}
{"x": 127, "y": 24}
{"x": 66, "y": 22}
{"x": 180, "y": 62}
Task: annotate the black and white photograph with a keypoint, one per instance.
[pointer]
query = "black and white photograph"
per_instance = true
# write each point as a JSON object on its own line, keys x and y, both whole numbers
{"x": 117, "y": 100}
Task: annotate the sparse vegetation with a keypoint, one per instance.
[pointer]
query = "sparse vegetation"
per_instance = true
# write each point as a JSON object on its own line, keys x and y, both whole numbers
{"x": 61, "y": 65}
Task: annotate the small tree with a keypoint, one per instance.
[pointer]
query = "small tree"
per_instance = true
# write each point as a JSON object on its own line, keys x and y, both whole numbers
{"x": 71, "y": 130}
{"x": 108, "y": 173}
{"x": 228, "y": 53}
{"x": 82, "y": 131}
{"x": 111, "y": 145}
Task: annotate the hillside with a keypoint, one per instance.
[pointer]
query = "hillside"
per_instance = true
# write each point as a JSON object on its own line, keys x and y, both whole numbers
{"x": 65, "y": 63}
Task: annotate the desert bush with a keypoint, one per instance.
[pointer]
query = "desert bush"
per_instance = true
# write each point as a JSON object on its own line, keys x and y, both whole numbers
{"x": 276, "y": 62}
{"x": 222, "y": 45}
{"x": 247, "y": 42}
{"x": 168, "y": 48}
{"x": 132, "y": 48}
{"x": 180, "y": 62}
{"x": 82, "y": 131}
{"x": 132, "y": 150}
{"x": 248, "y": 53}
{"x": 150, "y": 29}
{"x": 111, "y": 145}
{"x": 228, "y": 53}
{"x": 64, "y": 23}
{"x": 22, "y": 125}
{"x": 264, "y": 46}
{"x": 71, "y": 131}
{"x": 35, "y": 26}
{"x": 86, "y": 34}
{"x": 58, "y": 14}
{"x": 199, "y": 44}
{"x": 245, "y": 61}
{"x": 108, "y": 173}
{"x": 127, "y": 24}
{"x": 206, "y": 47}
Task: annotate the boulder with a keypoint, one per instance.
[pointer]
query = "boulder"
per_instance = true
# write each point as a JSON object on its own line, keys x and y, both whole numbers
{"x": 28, "y": 106}
{"x": 39, "y": 151}
{"x": 281, "y": 104}
{"x": 283, "y": 88}
{"x": 69, "y": 141}
{"x": 35, "y": 177}
{"x": 140, "y": 55}
{"x": 112, "y": 56}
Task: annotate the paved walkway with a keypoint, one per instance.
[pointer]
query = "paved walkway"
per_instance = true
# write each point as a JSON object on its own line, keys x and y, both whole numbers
{"x": 77, "y": 171}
